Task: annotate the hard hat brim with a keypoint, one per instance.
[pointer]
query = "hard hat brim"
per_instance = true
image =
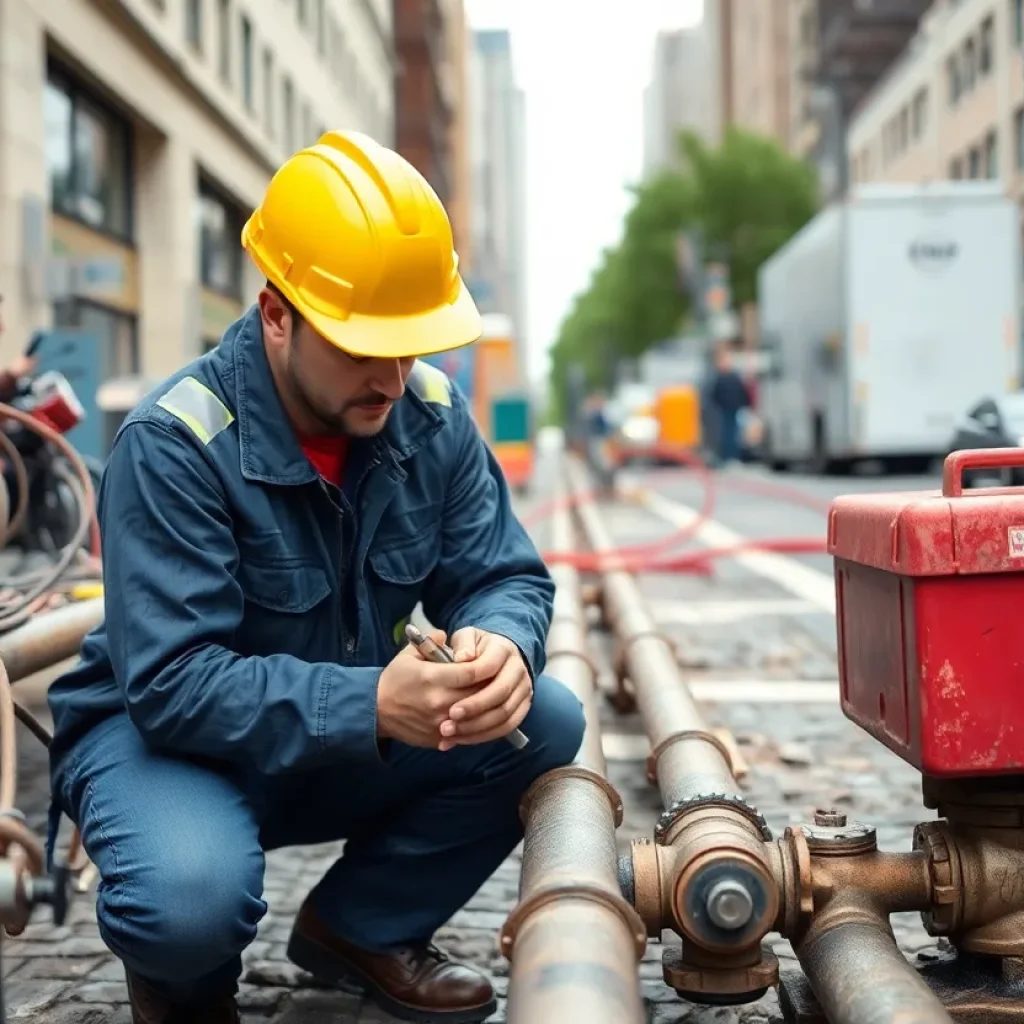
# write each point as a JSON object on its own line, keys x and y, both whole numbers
{"x": 447, "y": 327}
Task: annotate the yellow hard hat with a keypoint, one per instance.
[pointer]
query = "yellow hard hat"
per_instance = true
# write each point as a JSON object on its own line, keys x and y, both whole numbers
{"x": 357, "y": 240}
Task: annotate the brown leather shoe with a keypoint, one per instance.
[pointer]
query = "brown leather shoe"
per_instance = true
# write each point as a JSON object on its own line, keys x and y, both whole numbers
{"x": 149, "y": 1007}
{"x": 416, "y": 984}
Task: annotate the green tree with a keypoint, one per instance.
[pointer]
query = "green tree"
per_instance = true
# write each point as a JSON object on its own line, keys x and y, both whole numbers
{"x": 753, "y": 197}
{"x": 747, "y": 197}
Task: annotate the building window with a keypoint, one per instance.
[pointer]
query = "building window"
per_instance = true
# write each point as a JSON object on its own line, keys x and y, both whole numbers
{"x": 194, "y": 24}
{"x": 992, "y": 155}
{"x": 307, "y": 125}
{"x": 1017, "y": 17}
{"x": 288, "y": 115}
{"x": 974, "y": 163}
{"x": 88, "y": 157}
{"x": 807, "y": 28}
{"x": 118, "y": 332}
{"x": 970, "y": 65}
{"x": 220, "y": 252}
{"x": 953, "y": 78}
{"x": 268, "y": 92}
{"x": 248, "y": 85}
{"x": 986, "y": 45}
{"x": 920, "y": 115}
{"x": 1018, "y": 137}
{"x": 224, "y": 31}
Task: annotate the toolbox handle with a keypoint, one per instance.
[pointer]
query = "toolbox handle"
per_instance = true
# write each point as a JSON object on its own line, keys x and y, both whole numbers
{"x": 976, "y": 458}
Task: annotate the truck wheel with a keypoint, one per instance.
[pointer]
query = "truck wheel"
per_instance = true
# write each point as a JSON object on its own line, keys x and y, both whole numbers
{"x": 768, "y": 456}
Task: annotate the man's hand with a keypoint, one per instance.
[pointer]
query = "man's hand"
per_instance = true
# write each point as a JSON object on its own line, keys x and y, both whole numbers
{"x": 415, "y": 696}
{"x": 501, "y": 703}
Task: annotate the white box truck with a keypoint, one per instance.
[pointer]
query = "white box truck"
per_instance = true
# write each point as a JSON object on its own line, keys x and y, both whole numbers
{"x": 884, "y": 319}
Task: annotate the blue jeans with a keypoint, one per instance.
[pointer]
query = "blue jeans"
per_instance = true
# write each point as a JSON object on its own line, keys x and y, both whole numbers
{"x": 729, "y": 439}
{"x": 179, "y": 845}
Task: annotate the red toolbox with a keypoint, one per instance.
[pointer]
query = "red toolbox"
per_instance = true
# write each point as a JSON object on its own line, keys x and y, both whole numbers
{"x": 930, "y": 618}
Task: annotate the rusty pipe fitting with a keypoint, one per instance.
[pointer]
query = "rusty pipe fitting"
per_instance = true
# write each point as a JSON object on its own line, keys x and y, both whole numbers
{"x": 838, "y": 892}
{"x": 573, "y": 940}
{"x": 824, "y": 867}
{"x": 708, "y": 877}
{"x": 976, "y": 858}
{"x": 979, "y": 902}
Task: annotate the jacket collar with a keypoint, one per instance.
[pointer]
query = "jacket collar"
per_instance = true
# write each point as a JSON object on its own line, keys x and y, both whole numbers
{"x": 269, "y": 450}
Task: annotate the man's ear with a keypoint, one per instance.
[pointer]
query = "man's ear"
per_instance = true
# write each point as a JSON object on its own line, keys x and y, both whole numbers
{"x": 276, "y": 317}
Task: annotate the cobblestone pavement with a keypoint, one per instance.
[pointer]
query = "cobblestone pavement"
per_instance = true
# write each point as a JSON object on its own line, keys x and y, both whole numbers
{"x": 800, "y": 756}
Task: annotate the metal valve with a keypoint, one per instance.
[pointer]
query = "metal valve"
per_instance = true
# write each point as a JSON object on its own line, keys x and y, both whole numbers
{"x": 21, "y": 893}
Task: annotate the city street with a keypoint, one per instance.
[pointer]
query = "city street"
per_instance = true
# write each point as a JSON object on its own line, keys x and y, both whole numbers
{"x": 757, "y": 641}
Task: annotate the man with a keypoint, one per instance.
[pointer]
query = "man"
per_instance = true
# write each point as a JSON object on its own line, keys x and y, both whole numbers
{"x": 598, "y": 430}
{"x": 729, "y": 397}
{"x": 271, "y": 516}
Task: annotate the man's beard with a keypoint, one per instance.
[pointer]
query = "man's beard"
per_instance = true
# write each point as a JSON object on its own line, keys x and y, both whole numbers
{"x": 334, "y": 422}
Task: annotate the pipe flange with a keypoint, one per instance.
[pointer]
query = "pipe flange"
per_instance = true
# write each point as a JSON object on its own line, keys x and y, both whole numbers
{"x": 943, "y": 917}
{"x": 568, "y": 652}
{"x": 679, "y": 737}
{"x": 542, "y": 897}
{"x": 573, "y": 771}
{"x": 798, "y": 890}
{"x": 732, "y": 801}
{"x": 840, "y": 841}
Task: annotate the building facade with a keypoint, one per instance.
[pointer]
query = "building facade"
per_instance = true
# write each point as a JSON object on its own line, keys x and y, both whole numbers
{"x": 845, "y": 48}
{"x": 457, "y": 42}
{"x": 717, "y": 26}
{"x": 760, "y": 67}
{"x": 498, "y": 199}
{"x": 953, "y": 105}
{"x": 135, "y": 139}
{"x": 681, "y": 94}
{"x": 425, "y": 99}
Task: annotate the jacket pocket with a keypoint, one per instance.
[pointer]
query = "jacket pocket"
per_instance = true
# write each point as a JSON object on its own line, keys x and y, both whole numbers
{"x": 398, "y": 574}
{"x": 286, "y": 610}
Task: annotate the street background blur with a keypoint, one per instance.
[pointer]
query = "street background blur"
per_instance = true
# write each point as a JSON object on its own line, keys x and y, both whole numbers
{"x": 617, "y": 204}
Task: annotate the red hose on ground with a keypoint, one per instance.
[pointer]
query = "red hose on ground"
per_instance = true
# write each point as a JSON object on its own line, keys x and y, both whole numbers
{"x": 650, "y": 557}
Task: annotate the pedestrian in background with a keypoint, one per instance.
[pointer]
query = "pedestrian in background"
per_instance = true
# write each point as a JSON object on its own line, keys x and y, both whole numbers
{"x": 729, "y": 396}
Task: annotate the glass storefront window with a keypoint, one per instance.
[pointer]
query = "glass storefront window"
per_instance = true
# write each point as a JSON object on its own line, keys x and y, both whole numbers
{"x": 88, "y": 154}
{"x": 100, "y": 170}
{"x": 58, "y": 117}
{"x": 220, "y": 252}
{"x": 118, "y": 335}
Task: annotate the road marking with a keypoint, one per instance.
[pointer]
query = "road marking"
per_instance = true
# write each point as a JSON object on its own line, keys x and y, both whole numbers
{"x": 800, "y": 580}
{"x": 703, "y": 613}
{"x": 765, "y": 691}
{"x": 624, "y": 746}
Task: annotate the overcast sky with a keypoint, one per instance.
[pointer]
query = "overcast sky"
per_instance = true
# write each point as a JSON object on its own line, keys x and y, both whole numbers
{"x": 583, "y": 65}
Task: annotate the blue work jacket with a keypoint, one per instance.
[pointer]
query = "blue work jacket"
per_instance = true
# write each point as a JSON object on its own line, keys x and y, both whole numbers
{"x": 250, "y": 604}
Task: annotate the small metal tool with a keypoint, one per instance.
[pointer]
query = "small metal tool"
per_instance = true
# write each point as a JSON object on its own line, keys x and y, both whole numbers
{"x": 442, "y": 654}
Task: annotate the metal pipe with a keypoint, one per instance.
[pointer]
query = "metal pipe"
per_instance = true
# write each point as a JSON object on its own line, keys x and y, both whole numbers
{"x": 689, "y": 760}
{"x": 49, "y": 638}
{"x": 573, "y": 941}
{"x": 859, "y": 976}
{"x": 567, "y": 640}
{"x": 708, "y": 875}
